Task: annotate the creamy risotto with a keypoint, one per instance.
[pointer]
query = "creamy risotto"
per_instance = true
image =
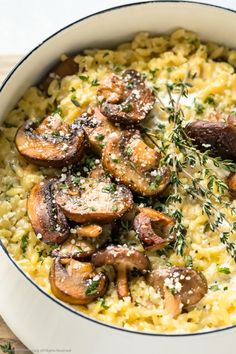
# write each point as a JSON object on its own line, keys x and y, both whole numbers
{"x": 180, "y": 80}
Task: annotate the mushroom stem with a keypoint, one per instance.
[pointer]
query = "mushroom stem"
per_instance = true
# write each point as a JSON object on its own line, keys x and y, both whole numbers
{"x": 122, "y": 282}
{"x": 172, "y": 302}
{"x": 89, "y": 230}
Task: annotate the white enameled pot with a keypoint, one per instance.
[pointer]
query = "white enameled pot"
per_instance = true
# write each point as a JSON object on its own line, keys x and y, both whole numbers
{"x": 45, "y": 324}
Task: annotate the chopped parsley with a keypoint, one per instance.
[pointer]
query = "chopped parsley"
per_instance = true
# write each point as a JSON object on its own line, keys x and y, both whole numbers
{"x": 58, "y": 111}
{"x": 127, "y": 108}
{"x": 92, "y": 208}
{"x": 76, "y": 179}
{"x": 95, "y": 82}
{"x": 153, "y": 72}
{"x": 155, "y": 184}
{"x": 189, "y": 261}
{"x": 214, "y": 287}
{"x": 103, "y": 304}
{"x": 210, "y": 100}
{"x": 83, "y": 77}
{"x": 72, "y": 89}
{"x": 114, "y": 208}
{"x": 109, "y": 188}
{"x": 199, "y": 108}
{"x": 24, "y": 243}
{"x": 129, "y": 151}
{"x": 100, "y": 137}
{"x": 75, "y": 102}
{"x": 115, "y": 160}
{"x": 92, "y": 288}
{"x": 224, "y": 270}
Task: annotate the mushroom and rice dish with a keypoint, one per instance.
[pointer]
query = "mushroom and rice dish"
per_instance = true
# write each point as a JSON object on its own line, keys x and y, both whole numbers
{"x": 118, "y": 183}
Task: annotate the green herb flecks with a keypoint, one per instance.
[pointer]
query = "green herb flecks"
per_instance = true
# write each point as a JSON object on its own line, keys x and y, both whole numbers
{"x": 92, "y": 288}
{"x": 24, "y": 243}
{"x": 110, "y": 188}
{"x": 100, "y": 137}
{"x": 95, "y": 82}
{"x": 84, "y": 77}
{"x": 224, "y": 270}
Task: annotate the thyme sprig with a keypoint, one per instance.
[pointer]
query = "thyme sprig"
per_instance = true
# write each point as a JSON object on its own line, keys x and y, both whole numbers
{"x": 194, "y": 173}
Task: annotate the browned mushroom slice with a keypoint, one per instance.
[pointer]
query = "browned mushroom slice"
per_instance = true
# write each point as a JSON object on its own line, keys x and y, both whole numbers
{"x": 75, "y": 282}
{"x": 62, "y": 69}
{"x": 153, "y": 229}
{"x": 51, "y": 143}
{"x": 47, "y": 219}
{"x": 79, "y": 247}
{"x": 126, "y": 100}
{"x": 218, "y": 137}
{"x": 187, "y": 285}
{"x": 135, "y": 164}
{"x": 93, "y": 200}
{"x": 122, "y": 259}
{"x": 97, "y": 128}
{"x": 231, "y": 182}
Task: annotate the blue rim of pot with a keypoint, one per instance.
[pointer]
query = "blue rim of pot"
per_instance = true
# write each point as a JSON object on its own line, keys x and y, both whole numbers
{"x": 66, "y": 307}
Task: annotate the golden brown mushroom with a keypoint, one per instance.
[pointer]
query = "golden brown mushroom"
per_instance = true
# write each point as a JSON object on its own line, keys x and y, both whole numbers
{"x": 218, "y": 137}
{"x": 179, "y": 286}
{"x": 153, "y": 229}
{"x": 81, "y": 247}
{"x": 97, "y": 128}
{"x": 75, "y": 282}
{"x": 231, "y": 182}
{"x": 122, "y": 259}
{"x": 135, "y": 164}
{"x": 62, "y": 69}
{"x": 94, "y": 199}
{"x": 47, "y": 219}
{"x": 126, "y": 100}
{"x": 50, "y": 143}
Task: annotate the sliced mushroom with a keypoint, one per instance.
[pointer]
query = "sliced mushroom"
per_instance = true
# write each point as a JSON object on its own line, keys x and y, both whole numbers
{"x": 93, "y": 199}
{"x": 97, "y": 128}
{"x": 47, "y": 219}
{"x": 231, "y": 182}
{"x": 122, "y": 259}
{"x": 62, "y": 69}
{"x": 218, "y": 137}
{"x": 132, "y": 162}
{"x": 186, "y": 285}
{"x": 50, "y": 143}
{"x": 80, "y": 247}
{"x": 75, "y": 282}
{"x": 153, "y": 229}
{"x": 126, "y": 100}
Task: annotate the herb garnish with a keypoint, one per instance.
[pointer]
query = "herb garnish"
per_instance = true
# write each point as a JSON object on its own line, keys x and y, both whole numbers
{"x": 190, "y": 169}
{"x": 100, "y": 137}
{"x": 95, "y": 82}
{"x": 224, "y": 270}
{"x": 75, "y": 102}
{"x": 24, "y": 243}
{"x": 109, "y": 188}
{"x": 92, "y": 288}
{"x": 83, "y": 77}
